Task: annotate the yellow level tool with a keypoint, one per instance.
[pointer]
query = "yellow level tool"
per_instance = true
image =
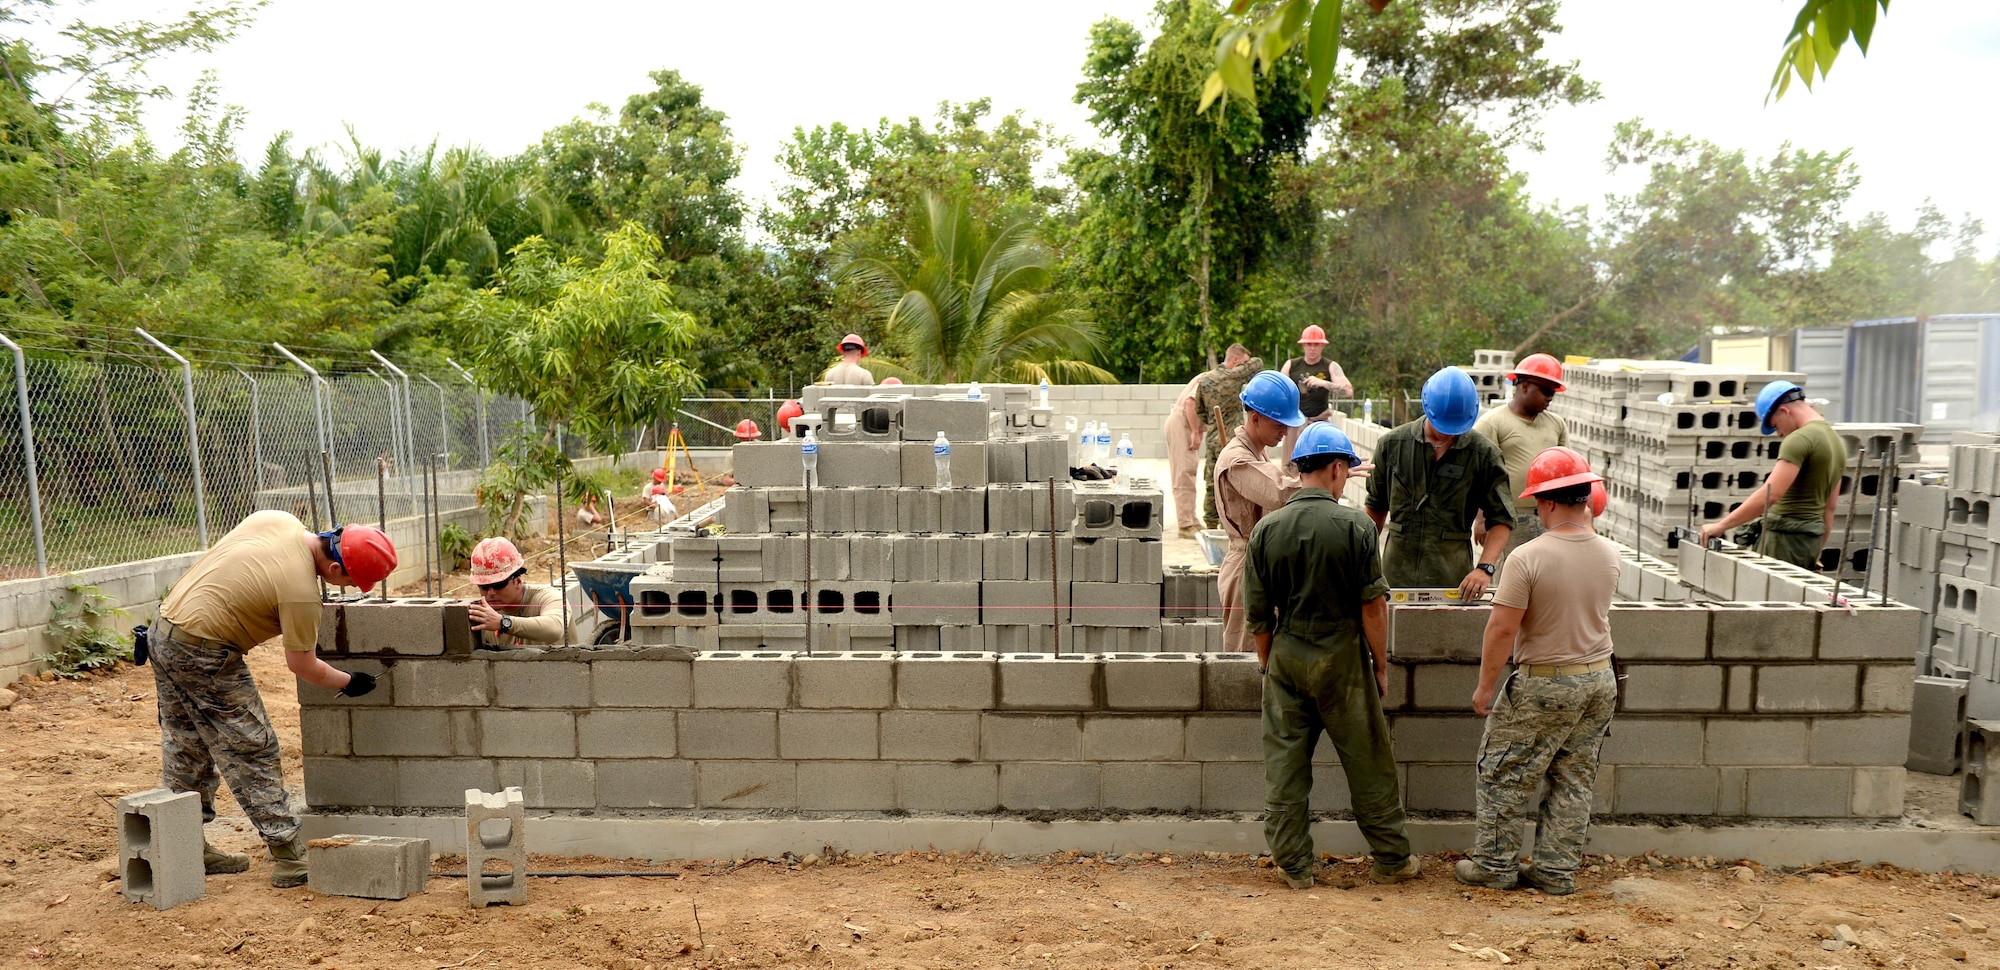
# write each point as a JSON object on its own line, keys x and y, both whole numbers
{"x": 1425, "y": 596}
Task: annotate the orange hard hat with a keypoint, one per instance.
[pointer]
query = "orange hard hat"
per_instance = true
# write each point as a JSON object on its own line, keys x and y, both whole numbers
{"x": 786, "y": 412}
{"x": 892, "y": 382}
{"x": 364, "y": 552}
{"x": 1312, "y": 335}
{"x": 1540, "y": 367}
{"x": 855, "y": 339}
{"x": 495, "y": 560}
{"x": 1599, "y": 498}
{"x": 1557, "y": 468}
{"x": 746, "y": 430}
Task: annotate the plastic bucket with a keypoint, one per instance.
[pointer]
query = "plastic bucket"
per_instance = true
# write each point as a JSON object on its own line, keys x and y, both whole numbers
{"x": 1214, "y": 542}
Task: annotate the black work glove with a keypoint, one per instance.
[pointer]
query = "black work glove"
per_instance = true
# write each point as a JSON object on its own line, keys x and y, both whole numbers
{"x": 361, "y": 684}
{"x": 140, "y": 647}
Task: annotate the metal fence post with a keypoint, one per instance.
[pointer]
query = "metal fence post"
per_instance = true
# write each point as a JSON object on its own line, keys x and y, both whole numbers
{"x": 479, "y": 408}
{"x": 444, "y": 431}
{"x": 409, "y": 479}
{"x": 319, "y": 414}
{"x": 256, "y": 430}
{"x": 28, "y": 445}
{"x": 194, "y": 437}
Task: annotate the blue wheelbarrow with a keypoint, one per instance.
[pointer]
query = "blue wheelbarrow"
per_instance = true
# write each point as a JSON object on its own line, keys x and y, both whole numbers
{"x": 609, "y": 588}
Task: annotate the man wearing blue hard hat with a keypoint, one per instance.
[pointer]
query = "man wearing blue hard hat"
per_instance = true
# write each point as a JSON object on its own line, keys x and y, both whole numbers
{"x": 1247, "y": 486}
{"x": 1318, "y": 608}
{"x": 1805, "y": 481}
{"x": 1433, "y": 476}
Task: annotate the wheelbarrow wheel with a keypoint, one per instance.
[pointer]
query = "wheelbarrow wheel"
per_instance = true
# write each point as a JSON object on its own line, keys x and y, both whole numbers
{"x": 607, "y": 636}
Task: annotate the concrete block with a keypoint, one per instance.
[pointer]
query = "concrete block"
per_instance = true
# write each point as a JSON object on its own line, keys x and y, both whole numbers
{"x": 946, "y": 682}
{"x": 1019, "y": 639}
{"x": 828, "y": 735}
{"x": 1123, "y": 509}
{"x": 1115, "y": 604}
{"x": 1690, "y": 688}
{"x": 961, "y": 420}
{"x": 847, "y": 786}
{"x": 1762, "y": 631}
{"x": 1112, "y": 738}
{"x": 1151, "y": 786}
{"x": 1887, "y": 687}
{"x": 1443, "y": 687}
{"x": 324, "y": 731}
{"x": 872, "y": 559}
{"x": 1732, "y": 793}
{"x": 1654, "y": 741}
{"x": 1045, "y": 682}
{"x": 1679, "y": 790}
{"x": 1062, "y": 564}
{"x": 850, "y": 680}
{"x": 1231, "y": 682}
{"x": 1435, "y": 738}
{"x": 1026, "y": 603}
{"x": 747, "y": 784}
{"x": 1158, "y": 682}
{"x": 1004, "y": 557}
{"x": 641, "y": 683}
{"x": 368, "y": 866}
{"x": 1007, "y": 460}
{"x": 728, "y": 734}
{"x": 969, "y": 464}
{"x": 746, "y": 511}
{"x": 349, "y": 783}
{"x": 917, "y": 511}
{"x": 1232, "y": 786}
{"x": 1937, "y": 719}
{"x": 441, "y": 782}
{"x": 1759, "y": 741}
{"x": 936, "y": 787}
{"x": 667, "y": 603}
{"x": 1435, "y": 787}
{"x": 1650, "y": 631}
{"x": 962, "y": 510}
{"x": 527, "y": 734}
{"x": 1437, "y": 632}
{"x": 1030, "y": 737}
{"x": 1094, "y": 560}
{"x": 159, "y": 848}
{"x": 936, "y": 604}
{"x": 1979, "y": 789}
{"x": 1868, "y": 632}
{"x": 875, "y": 510}
{"x": 1878, "y": 792}
{"x": 1799, "y": 792}
{"x": 762, "y": 464}
{"x": 754, "y": 680}
{"x": 1225, "y": 737}
{"x": 378, "y": 731}
{"x": 1922, "y": 505}
{"x": 929, "y": 736}
{"x": 1830, "y": 688}
{"x": 384, "y": 694}
{"x": 645, "y": 784}
{"x": 495, "y": 832}
{"x": 541, "y": 683}
{"x": 626, "y": 734}
{"x": 547, "y": 783}
{"x": 1880, "y": 740}
{"x": 444, "y": 683}
{"x": 1049, "y": 787}
{"x": 1741, "y": 691}
{"x": 1693, "y": 559}
{"x": 918, "y": 639}
{"x": 1048, "y": 457}
{"x": 400, "y": 627}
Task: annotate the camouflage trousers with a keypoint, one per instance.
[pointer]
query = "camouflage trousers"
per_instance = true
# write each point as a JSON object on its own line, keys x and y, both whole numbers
{"x": 1211, "y": 449}
{"x": 1541, "y": 728}
{"x": 211, "y": 718}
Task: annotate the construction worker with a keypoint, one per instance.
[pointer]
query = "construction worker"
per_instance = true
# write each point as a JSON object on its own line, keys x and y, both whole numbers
{"x": 1318, "y": 379}
{"x": 1806, "y": 480}
{"x": 1317, "y": 607}
{"x": 849, "y": 370}
{"x": 1219, "y": 392}
{"x": 786, "y": 412}
{"x": 1432, "y": 477}
{"x": 1552, "y": 618}
{"x": 1247, "y": 486}
{"x": 1524, "y": 428}
{"x": 512, "y": 611}
{"x": 1183, "y": 437}
{"x": 747, "y": 430}
{"x": 259, "y": 582}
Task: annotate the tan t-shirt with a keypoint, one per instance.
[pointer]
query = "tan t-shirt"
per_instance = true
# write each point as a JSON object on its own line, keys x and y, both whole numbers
{"x": 1520, "y": 440}
{"x": 846, "y": 373}
{"x": 1565, "y": 581}
{"x": 539, "y": 619}
{"x": 255, "y": 583}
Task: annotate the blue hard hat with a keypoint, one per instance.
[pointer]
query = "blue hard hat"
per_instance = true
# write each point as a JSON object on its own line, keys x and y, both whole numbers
{"x": 1274, "y": 396}
{"x": 1451, "y": 403}
{"x": 1324, "y": 439}
{"x": 1770, "y": 397}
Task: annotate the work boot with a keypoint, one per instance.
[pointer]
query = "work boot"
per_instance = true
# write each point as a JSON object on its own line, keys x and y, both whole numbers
{"x": 1473, "y": 874}
{"x": 216, "y": 862}
{"x": 288, "y": 864}
{"x": 1403, "y": 873}
{"x": 1550, "y": 885}
{"x": 1303, "y": 880}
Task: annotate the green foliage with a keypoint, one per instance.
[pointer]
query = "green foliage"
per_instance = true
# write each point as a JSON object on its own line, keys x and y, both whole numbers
{"x": 454, "y": 545}
{"x": 1820, "y": 30}
{"x": 82, "y": 644}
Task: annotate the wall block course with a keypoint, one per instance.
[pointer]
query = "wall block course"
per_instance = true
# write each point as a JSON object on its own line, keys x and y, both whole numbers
{"x": 851, "y": 681}
{"x": 946, "y": 681}
{"x": 642, "y": 683}
{"x": 535, "y": 683}
{"x": 1759, "y": 631}
{"x": 1659, "y": 632}
{"x": 1156, "y": 682}
{"x": 1045, "y": 682}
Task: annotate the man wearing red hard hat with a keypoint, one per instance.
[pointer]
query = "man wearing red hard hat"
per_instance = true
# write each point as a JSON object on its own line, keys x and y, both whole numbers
{"x": 511, "y": 610}
{"x": 849, "y": 370}
{"x": 260, "y": 582}
{"x": 1523, "y": 428}
{"x": 1318, "y": 378}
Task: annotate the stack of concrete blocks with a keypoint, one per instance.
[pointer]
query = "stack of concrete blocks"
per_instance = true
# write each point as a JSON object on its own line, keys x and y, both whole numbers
{"x": 1979, "y": 790}
{"x": 1191, "y": 611}
{"x": 1862, "y": 524}
{"x": 1489, "y": 374}
{"x": 496, "y": 831}
{"x": 1732, "y": 710}
{"x": 368, "y": 866}
{"x": 1966, "y": 625}
{"x": 159, "y": 848}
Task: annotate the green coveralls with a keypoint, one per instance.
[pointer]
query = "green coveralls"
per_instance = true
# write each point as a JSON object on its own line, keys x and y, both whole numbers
{"x": 1311, "y": 565}
{"x": 1431, "y": 503}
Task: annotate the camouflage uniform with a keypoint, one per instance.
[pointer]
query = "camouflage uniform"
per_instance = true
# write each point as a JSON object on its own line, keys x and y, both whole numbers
{"x": 1220, "y": 388}
{"x": 211, "y": 716}
{"x": 1541, "y": 728}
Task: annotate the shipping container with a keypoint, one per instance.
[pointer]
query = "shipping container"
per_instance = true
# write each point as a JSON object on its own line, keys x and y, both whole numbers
{"x": 1942, "y": 372}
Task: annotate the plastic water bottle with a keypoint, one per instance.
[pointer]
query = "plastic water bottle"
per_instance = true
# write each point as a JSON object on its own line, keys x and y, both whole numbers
{"x": 941, "y": 454}
{"x": 1104, "y": 443}
{"x": 1085, "y": 442}
{"x": 1124, "y": 450}
{"x": 809, "y": 453}
{"x": 1045, "y": 392}
{"x": 1368, "y": 410}
{"x": 972, "y": 392}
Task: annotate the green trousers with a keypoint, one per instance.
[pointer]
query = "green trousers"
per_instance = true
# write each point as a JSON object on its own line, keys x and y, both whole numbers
{"x": 1327, "y": 686}
{"x": 1426, "y": 559}
{"x": 1794, "y": 540}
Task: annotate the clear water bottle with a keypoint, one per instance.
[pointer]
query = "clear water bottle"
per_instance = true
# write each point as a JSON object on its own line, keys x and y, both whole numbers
{"x": 809, "y": 453}
{"x": 1045, "y": 392}
{"x": 1085, "y": 442}
{"x": 1104, "y": 443}
{"x": 1368, "y": 410}
{"x": 1124, "y": 449}
{"x": 972, "y": 392}
{"x": 941, "y": 455}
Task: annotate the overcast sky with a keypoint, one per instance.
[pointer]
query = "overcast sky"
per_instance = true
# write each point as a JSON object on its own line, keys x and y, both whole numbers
{"x": 499, "y": 73}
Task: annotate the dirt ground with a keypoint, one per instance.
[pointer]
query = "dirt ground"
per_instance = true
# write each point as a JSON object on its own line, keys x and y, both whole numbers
{"x": 68, "y": 748}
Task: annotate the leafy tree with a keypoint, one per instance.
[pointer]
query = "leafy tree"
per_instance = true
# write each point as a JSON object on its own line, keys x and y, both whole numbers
{"x": 970, "y": 301}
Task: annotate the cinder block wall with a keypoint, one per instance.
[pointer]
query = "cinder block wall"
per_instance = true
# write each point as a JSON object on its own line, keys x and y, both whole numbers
{"x": 1139, "y": 410}
{"x": 1731, "y": 711}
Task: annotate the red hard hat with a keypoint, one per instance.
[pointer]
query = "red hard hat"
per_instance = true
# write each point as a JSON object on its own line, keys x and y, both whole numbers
{"x": 746, "y": 430}
{"x": 855, "y": 338}
{"x": 659, "y": 474}
{"x": 367, "y": 555}
{"x": 1556, "y": 468}
{"x": 892, "y": 382}
{"x": 786, "y": 412}
{"x": 495, "y": 560}
{"x": 1599, "y": 498}
{"x": 1312, "y": 335}
{"x": 1540, "y": 366}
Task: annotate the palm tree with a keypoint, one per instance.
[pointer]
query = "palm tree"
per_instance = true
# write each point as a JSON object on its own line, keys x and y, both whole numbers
{"x": 970, "y": 302}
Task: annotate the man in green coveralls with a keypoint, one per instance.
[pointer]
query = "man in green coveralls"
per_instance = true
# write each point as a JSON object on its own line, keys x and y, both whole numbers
{"x": 1806, "y": 480}
{"x": 1318, "y": 610}
{"x": 1433, "y": 477}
